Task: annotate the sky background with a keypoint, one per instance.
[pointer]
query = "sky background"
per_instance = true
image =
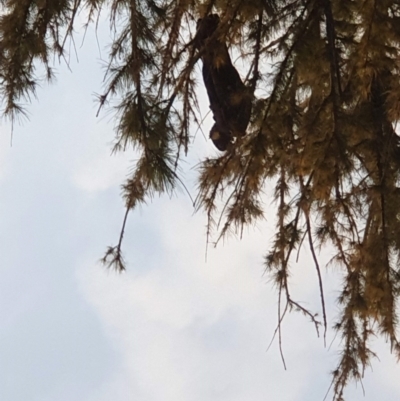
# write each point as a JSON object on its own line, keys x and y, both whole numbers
{"x": 174, "y": 327}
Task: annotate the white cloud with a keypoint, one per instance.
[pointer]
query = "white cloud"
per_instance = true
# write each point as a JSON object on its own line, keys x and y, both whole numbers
{"x": 190, "y": 330}
{"x": 100, "y": 171}
{"x": 96, "y": 168}
{"x": 5, "y": 150}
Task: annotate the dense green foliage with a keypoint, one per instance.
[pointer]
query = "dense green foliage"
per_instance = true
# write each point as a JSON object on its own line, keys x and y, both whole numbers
{"x": 325, "y": 81}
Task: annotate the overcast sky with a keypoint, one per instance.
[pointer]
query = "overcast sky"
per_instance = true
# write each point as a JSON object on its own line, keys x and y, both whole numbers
{"x": 174, "y": 327}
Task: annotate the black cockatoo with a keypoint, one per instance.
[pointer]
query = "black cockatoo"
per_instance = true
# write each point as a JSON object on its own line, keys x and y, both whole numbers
{"x": 230, "y": 99}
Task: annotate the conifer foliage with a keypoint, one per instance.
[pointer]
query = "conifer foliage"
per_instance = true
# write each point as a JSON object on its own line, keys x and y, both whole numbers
{"x": 323, "y": 79}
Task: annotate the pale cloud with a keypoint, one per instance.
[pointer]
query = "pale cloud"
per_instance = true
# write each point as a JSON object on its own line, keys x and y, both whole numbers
{"x": 96, "y": 168}
{"x": 194, "y": 330}
{"x": 100, "y": 171}
{"x": 5, "y": 151}
{"x": 118, "y": 387}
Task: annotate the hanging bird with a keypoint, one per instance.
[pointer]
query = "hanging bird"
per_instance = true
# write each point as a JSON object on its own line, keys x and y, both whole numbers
{"x": 230, "y": 99}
